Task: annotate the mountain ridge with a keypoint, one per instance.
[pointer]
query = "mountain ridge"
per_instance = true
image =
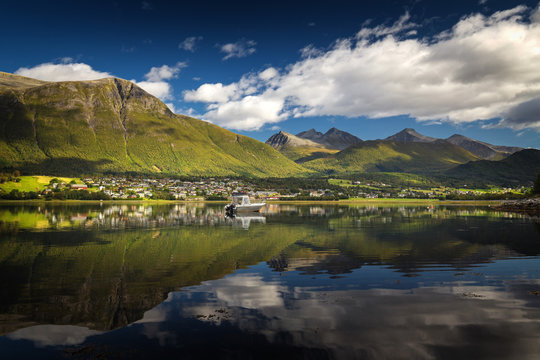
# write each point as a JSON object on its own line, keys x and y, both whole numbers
{"x": 479, "y": 148}
{"x": 333, "y": 139}
{"x": 392, "y": 156}
{"x": 482, "y": 149}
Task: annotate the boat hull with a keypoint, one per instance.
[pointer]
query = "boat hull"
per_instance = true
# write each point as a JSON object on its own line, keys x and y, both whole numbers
{"x": 249, "y": 208}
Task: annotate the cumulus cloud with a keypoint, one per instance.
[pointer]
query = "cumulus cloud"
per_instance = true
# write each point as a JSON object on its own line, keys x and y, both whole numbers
{"x": 480, "y": 69}
{"x": 189, "y": 43}
{"x": 66, "y": 71}
{"x": 156, "y": 81}
{"x": 164, "y": 72}
{"x": 160, "y": 89}
{"x": 239, "y": 49}
{"x": 211, "y": 93}
{"x": 248, "y": 113}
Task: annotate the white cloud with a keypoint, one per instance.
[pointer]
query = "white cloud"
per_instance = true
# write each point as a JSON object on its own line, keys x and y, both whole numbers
{"x": 156, "y": 83}
{"x": 189, "y": 43}
{"x": 159, "y": 89}
{"x": 211, "y": 93}
{"x": 66, "y": 60}
{"x": 478, "y": 70}
{"x": 268, "y": 74}
{"x": 310, "y": 51}
{"x": 382, "y": 30}
{"x": 164, "y": 72}
{"x": 239, "y": 49}
{"x": 248, "y": 113}
{"x": 65, "y": 71}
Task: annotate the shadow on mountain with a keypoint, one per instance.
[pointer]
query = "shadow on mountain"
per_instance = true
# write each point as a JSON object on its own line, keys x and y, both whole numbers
{"x": 66, "y": 166}
{"x": 312, "y": 156}
{"x": 517, "y": 168}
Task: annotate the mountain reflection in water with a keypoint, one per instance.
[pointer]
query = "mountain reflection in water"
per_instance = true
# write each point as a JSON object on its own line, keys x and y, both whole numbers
{"x": 294, "y": 281}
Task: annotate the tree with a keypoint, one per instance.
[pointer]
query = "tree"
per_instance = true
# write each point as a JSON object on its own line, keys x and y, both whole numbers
{"x": 536, "y": 186}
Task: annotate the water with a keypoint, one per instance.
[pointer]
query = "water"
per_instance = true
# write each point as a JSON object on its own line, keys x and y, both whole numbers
{"x": 310, "y": 281}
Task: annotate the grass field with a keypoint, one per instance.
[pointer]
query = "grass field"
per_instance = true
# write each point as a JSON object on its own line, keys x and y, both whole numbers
{"x": 34, "y": 183}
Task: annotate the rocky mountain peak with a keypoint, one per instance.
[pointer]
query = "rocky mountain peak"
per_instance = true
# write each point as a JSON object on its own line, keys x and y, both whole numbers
{"x": 410, "y": 135}
{"x": 284, "y": 139}
{"x": 333, "y": 139}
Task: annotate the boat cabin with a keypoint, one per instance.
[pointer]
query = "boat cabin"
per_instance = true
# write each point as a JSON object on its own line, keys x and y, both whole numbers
{"x": 241, "y": 200}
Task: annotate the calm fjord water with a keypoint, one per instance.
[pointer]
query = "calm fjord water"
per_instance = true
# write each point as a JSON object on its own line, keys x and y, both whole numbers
{"x": 310, "y": 281}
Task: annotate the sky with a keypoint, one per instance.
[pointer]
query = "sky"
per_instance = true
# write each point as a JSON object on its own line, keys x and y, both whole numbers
{"x": 367, "y": 67}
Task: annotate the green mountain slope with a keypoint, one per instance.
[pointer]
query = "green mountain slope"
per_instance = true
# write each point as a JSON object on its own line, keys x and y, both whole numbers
{"x": 390, "y": 156}
{"x": 113, "y": 125}
{"x": 519, "y": 168}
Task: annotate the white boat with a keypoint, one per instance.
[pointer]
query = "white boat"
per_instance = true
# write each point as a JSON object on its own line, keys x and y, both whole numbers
{"x": 241, "y": 203}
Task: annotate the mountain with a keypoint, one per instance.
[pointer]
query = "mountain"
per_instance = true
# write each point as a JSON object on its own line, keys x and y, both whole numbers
{"x": 391, "y": 156}
{"x": 112, "y": 125}
{"x": 518, "y": 168}
{"x": 297, "y": 148}
{"x": 283, "y": 140}
{"x": 481, "y": 149}
{"x": 332, "y": 139}
{"x": 410, "y": 135}
{"x": 311, "y": 144}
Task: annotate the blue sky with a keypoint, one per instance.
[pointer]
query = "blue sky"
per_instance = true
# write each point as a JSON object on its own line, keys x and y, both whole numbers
{"x": 368, "y": 67}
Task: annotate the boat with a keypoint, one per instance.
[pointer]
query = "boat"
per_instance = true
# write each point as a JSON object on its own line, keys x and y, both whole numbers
{"x": 241, "y": 203}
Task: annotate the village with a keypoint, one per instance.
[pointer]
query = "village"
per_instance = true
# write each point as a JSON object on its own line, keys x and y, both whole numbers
{"x": 133, "y": 188}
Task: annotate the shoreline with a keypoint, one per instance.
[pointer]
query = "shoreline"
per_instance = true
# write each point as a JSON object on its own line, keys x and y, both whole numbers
{"x": 278, "y": 202}
{"x": 529, "y": 206}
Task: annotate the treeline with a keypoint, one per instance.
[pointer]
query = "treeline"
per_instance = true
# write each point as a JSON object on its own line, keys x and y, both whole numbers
{"x": 397, "y": 180}
{"x": 10, "y": 176}
{"x": 315, "y": 198}
{"x": 19, "y": 195}
{"x": 55, "y": 195}
{"x": 293, "y": 185}
{"x": 487, "y": 196}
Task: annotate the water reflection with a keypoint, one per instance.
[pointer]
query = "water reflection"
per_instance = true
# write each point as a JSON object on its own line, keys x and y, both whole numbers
{"x": 294, "y": 281}
{"x": 106, "y": 216}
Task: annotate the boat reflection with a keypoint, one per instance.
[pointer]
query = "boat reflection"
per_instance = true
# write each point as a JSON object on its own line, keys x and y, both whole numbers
{"x": 244, "y": 220}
